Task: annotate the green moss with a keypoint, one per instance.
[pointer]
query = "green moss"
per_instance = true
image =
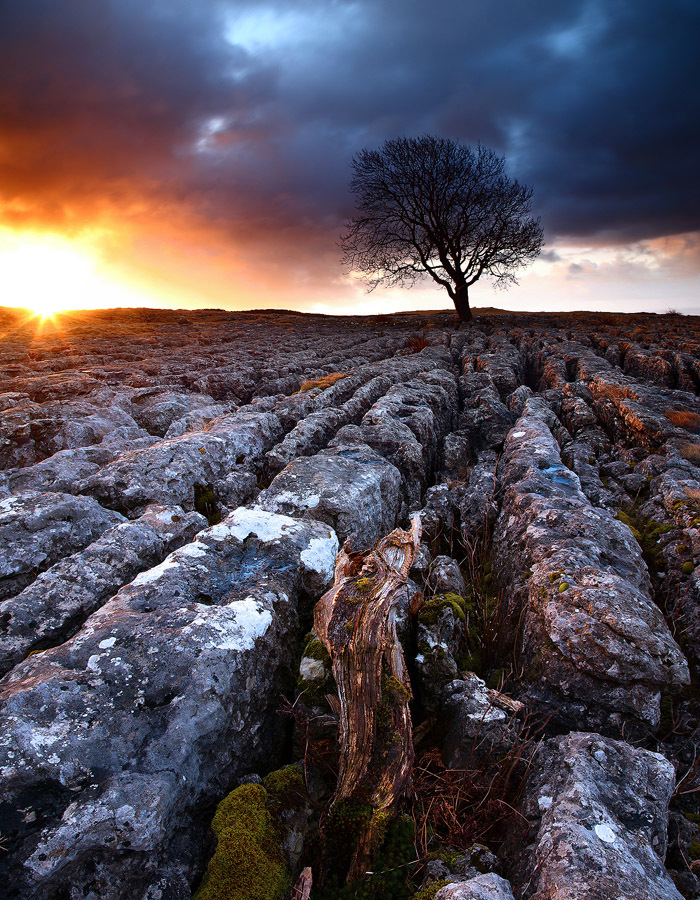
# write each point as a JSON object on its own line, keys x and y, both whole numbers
{"x": 393, "y": 690}
{"x": 206, "y": 503}
{"x": 347, "y": 820}
{"x": 285, "y": 786}
{"x": 390, "y": 872}
{"x": 694, "y": 850}
{"x": 626, "y": 520}
{"x": 692, "y": 817}
{"x": 687, "y": 568}
{"x": 428, "y": 892}
{"x": 553, "y": 576}
{"x": 314, "y": 692}
{"x": 248, "y": 862}
{"x": 364, "y": 584}
{"x": 314, "y": 649}
{"x": 378, "y": 825}
{"x": 647, "y": 532}
{"x": 666, "y": 716}
{"x": 431, "y": 609}
{"x": 564, "y": 586}
{"x": 446, "y": 855}
{"x": 495, "y": 679}
{"x": 477, "y": 859}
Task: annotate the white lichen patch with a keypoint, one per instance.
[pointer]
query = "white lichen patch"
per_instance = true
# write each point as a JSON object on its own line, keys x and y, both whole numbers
{"x": 605, "y": 833}
{"x": 193, "y": 550}
{"x": 43, "y": 737}
{"x": 244, "y": 522}
{"x": 8, "y": 504}
{"x": 232, "y": 627}
{"x": 157, "y": 572}
{"x": 320, "y": 555}
{"x": 162, "y": 515}
{"x": 311, "y": 669}
{"x": 311, "y": 501}
{"x": 491, "y": 714}
{"x": 107, "y": 643}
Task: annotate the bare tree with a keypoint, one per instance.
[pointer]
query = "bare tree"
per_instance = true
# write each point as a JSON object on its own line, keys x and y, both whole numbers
{"x": 433, "y": 206}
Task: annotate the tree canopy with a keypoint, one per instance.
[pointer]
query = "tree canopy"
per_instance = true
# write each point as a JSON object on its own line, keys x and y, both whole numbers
{"x": 433, "y": 206}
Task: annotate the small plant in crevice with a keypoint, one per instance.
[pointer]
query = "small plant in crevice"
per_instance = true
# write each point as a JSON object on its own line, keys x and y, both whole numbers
{"x": 416, "y": 343}
{"x": 206, "y": 503}
{"x": 489, "y": 639}
{"x": 455, "y": 808}
{"x": 315, "y": 739}
{"x": 647, "y": 532}
{"x": 390, "y": 877}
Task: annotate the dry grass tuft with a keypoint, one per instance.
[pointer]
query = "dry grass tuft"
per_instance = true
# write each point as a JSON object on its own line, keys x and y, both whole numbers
{"x": 458, "y": 807}
{"x": 682, "y": 418}
{"x": 693, "y": 495}
{"x": 322, "y": 383}
{"x": 416, "y": 343}
{"x": 691, "y": 452}
{"x": 610, "y": 391}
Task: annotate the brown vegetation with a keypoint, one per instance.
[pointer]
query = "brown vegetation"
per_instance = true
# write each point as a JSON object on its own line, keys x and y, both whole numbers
{"x": 324, "y": 382}
{"x": 691, "y": 452}
{"x": 682, "y": 418}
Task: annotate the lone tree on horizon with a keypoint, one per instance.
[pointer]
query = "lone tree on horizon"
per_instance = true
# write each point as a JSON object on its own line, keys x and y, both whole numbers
{"x": 432, "y": 206}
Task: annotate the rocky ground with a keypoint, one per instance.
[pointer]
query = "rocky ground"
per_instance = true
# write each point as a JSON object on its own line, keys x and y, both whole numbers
{"x": 175, "y": 487}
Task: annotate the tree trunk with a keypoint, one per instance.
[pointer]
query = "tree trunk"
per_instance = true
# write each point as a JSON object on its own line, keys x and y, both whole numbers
{"x": 355, "y": 620}
{"x": 461, "y": 301}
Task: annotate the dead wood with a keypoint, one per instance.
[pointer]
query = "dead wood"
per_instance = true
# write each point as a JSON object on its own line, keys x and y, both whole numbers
{"x": 302, "y": 889}
{"x": 356, "y": 621}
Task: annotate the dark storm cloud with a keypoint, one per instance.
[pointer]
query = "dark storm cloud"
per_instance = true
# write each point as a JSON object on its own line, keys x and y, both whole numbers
{"x": 100, "y": 102}
{"x": 247, "y": 114}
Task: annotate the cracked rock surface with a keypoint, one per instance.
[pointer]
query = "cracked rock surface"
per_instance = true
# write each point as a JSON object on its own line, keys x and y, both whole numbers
{"x": 174, "y": 489}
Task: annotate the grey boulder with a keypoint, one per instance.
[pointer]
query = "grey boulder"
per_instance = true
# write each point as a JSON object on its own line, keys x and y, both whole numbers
{"x": 41, "y": 528}
{"x": 598, "y": 812}
{"x": 54, "y": 606}
{"x": 351, "y": 488}
{"x": 115, "y": 745}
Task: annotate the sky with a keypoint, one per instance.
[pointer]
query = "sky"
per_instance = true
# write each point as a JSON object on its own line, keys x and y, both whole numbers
{"x": 197, "y": 153}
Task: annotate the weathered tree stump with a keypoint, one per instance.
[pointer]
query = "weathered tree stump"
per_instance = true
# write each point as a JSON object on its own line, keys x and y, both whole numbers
{"x": 302, "y": 889}
{"x": 356, "y": 621}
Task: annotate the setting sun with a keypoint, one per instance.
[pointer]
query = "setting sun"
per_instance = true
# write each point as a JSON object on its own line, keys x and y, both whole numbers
{"x": 49, "y": 273}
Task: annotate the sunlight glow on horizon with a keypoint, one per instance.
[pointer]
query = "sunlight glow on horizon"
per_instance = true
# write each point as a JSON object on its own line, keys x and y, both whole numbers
{"x": 115, "y": 265}
{"x": 47, "y": 273}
